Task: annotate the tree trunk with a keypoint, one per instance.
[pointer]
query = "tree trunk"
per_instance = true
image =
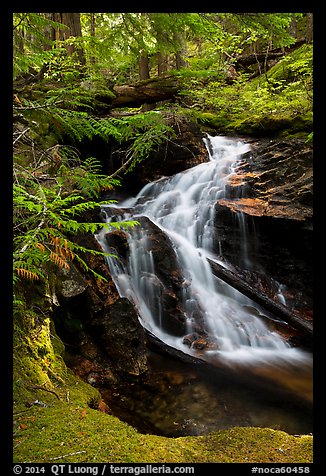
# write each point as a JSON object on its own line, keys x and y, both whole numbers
{"x": 72, "y": 22}
{"x": 92, "y": 24}
{"x": 92, "y": 32}
{"x": 199, "y": 44}
{"x": 180, "y": 62}
{"x": 19, "y": 40}
{"x": 48, "y": 32}
{"x": 262, "y": 299}
{"x": 249, "y": 59}
{"x": 293, "y": 26}
{"x": 143, "y": 66}
{"x": 162, "y": 63}
{"x": 309, "y": 28}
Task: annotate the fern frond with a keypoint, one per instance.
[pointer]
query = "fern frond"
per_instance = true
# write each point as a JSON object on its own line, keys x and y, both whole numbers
{"x": 59, "y": 261}
{"x": 27, "y": 274}
{"x": 41, "y": 247}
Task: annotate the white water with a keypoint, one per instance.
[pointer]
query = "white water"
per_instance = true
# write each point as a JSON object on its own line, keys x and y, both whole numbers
{"x": 183, "y": 206}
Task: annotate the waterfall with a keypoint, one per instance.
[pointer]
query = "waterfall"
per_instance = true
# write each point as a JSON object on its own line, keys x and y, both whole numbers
{"x": 184, "y": 207}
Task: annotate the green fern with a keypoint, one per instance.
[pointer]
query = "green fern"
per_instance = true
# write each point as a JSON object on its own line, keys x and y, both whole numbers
{"x": 145, "y": 132}
{"x": 47, "y": 218}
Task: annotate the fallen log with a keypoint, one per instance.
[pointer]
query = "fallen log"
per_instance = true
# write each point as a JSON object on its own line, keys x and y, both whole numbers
{"x": 278, "y": 309}
{"x": 247, "y": 60}
{"x": 262, "y": 57}
{"x": 149, "y": 91}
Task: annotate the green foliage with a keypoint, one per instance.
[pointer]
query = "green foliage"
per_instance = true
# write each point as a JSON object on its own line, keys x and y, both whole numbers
{"x": 87, "y": 178}
{"x": 32, "y": 47}
{"x": 113, "y": 42}
{"x": 62, "y": 66}
{"x": 144, "y": 131}
{"x": 148, "y": 131}
{"x": 285, "y": 91}
{"x": 298, "y": 66}
{"x": 271, "y": 27}
{"x": 46, "y": 218}
{"x": 310, "y": 137}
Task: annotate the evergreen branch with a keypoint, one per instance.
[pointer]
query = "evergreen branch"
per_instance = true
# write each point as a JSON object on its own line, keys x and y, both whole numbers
{"x": 31, "y": 239}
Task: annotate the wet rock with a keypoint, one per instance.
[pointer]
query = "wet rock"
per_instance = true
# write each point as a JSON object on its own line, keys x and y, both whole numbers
{"x": 122, "y": 337}
{"x": 101, "y": 378}
{"x": 267, "y": 216}
{"x": 186, "y": 150}
{"x": 205, "y": 343}
{"x": 70, "y": 283}
{"x": 200, "y": 344}
{"x": 97, "y": 323}
{"x": 189, "y": 339}
{"x": 258, "y": 207}
{"x": 118, "y": 240}
{"x": 114, "y": 213}
{"x": 277, "y": 175}
{"x": 169, "y": 282}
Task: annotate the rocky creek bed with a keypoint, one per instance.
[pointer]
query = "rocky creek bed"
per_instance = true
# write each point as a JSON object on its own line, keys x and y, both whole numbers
{"x": 107, "y": 347}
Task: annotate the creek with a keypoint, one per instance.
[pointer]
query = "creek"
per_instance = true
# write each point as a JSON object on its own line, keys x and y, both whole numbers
{"x": 200, "y": 315}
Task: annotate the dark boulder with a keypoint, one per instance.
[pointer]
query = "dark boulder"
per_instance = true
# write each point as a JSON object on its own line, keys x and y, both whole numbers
{"x": 268, "y": 210}
{"x": 118, "y": 240}
{"x": 91, "y": 314}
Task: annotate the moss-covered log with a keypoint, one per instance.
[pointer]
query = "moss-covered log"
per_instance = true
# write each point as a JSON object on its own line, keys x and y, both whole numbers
{"x": 150, "y": 91}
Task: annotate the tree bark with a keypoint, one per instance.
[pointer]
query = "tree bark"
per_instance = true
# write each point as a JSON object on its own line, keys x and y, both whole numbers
{"x": 293, "y": 26}
{"x": 180, "y": 62}
{"x": 162, "y": 63}
{"x": 309, "y": 28}
{"x": 247, "y": 60}
{"x": 72, "y": 22}
{"x": 92, "y": 32}
{"x": 143, "y": 66}
{"x": 262, "y": 299}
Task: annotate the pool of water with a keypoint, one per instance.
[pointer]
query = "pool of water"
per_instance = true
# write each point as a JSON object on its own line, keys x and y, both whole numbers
{"x": 178, "y": 399}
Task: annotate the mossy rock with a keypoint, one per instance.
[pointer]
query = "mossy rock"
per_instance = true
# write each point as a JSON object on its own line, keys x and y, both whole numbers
{"x": 272, "y": 125}
{"x": 293, "y": 65}
{"x": 55, "y": 415}
{"x": 210, "y": 120}
{"x": 85, "y": 435}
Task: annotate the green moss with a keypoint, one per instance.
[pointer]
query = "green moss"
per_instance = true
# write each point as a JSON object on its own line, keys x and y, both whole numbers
{"x": 64, "y": 428}
{"x": 273, "y": 125}
{"x": 275, "y": 103}
{"x": 53, "y": 417}
{"x": 296, "y": 64}
{"x": 211, "y": 119}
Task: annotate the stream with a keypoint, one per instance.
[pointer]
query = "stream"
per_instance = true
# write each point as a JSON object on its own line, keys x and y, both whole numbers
{"x": 238, "y": 340}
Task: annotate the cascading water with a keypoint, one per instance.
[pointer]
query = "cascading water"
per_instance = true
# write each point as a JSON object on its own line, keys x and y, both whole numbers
{"x": 183, "y": 207}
